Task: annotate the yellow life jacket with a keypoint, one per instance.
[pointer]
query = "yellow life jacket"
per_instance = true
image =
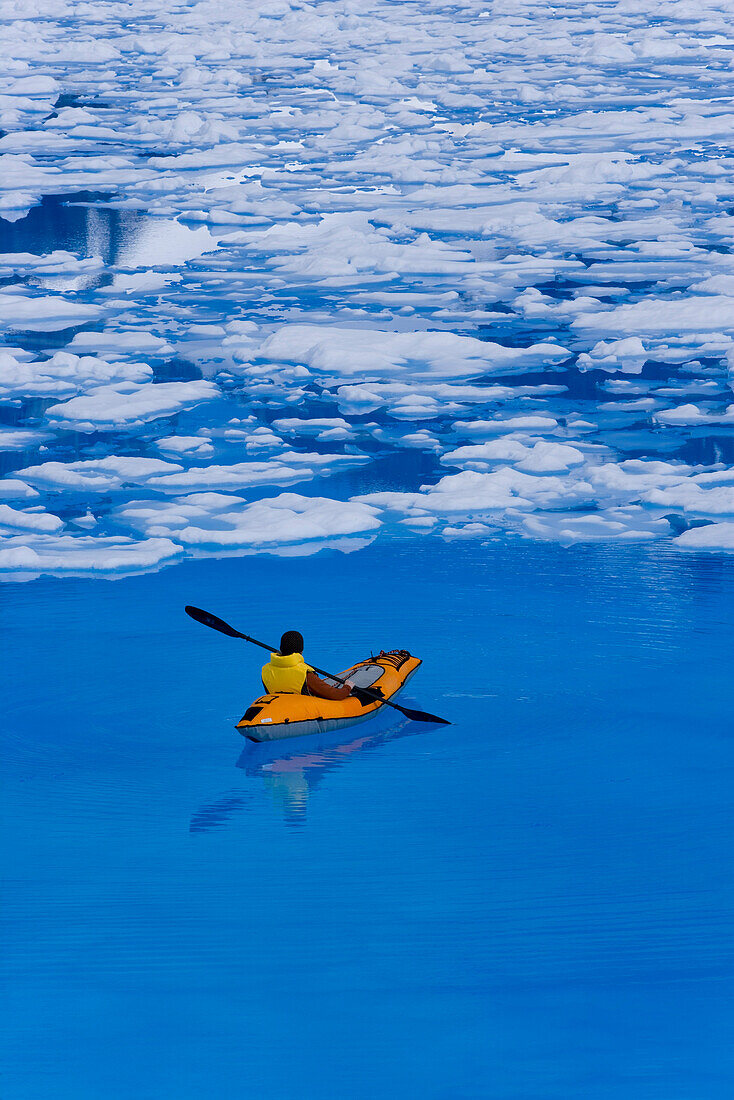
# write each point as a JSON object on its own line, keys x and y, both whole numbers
{"x": 285, "y": 674}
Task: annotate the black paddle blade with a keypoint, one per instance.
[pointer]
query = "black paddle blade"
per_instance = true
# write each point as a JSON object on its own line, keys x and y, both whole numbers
{"x": 422, "y": 716}
{"x": 207, "y": 619}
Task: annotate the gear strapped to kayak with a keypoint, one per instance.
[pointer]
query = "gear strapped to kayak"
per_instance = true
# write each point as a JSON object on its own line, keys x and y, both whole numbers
{"x": 373, "y": 682}
{"x": 388, "y": 674}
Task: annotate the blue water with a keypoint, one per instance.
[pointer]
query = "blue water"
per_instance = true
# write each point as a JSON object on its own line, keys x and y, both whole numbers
{"x": 534, "y": 902}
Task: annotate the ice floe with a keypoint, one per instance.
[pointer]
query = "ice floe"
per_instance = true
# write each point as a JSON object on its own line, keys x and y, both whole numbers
{"x": 28, "y": 519}
{"x": 478, "y": 275}
{"x": 713, "y": 536}
{"x": 126, "y": 405}
{"x": 20, "y": 439}
{"x": 379, "y": 354}
{"x": 75, "y": 555}
{"x": 691, "y": 414}
{"x": 63, "y": 374}
{"x": 215, "y": 520}
{"x": 285, "y": 469}
{"x": 43, "y": 313}
{"x": 103, "y": 475}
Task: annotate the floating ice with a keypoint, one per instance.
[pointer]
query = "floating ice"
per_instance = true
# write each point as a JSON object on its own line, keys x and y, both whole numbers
{"x": 196, "y": 445}
{"x": 158, "y": 244}
{"x": 58, "y": 262}
{"x": 707, "y": 313}
{"x": 42, "y": 313}
{"x": 13, "y": 489}
{"x": 28, "y": 520}
{"x": 628, "y": 525}
{"x": 691, "y": 414}
{"x": 125, "y": 405}
{"x": 284, "y": 245}
{"x": 83, "y": 555}
{"x": 20, "y": 439}
{"x": 472, "y": 493}
{"x": 115, "y": 345}
{"x": 550, "y": 458}
{"x": 431, "y": 398}
{"x": 510, "y": 426}
{"x": 63, "y": 374}
{"x": 482, "y": 456}
{"x": 217, "y": 520}
{"x": 348, "y": 246}
{"x": 102, "y": 475}
{"x": 379, "y": 354}
{"x": 628, "y": 356}
{"x": 714, "y": 536}
{"x": 285, "y": 469}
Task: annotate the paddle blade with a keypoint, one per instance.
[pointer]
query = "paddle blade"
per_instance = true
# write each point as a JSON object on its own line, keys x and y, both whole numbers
{"x": 207, "y": 619}
{"x": 423, "y": 716}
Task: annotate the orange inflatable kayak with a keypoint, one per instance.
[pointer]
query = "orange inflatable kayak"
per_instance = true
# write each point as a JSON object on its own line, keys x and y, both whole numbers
{"x": 272, "y": 717}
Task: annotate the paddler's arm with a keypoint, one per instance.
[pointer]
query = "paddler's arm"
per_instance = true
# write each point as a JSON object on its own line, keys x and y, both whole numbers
{"x": 316, "y": 686}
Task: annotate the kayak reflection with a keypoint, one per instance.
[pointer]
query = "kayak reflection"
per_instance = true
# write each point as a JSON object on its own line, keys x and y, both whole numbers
{"x": 217, "y": 813}
{"x": 292, "y": 770}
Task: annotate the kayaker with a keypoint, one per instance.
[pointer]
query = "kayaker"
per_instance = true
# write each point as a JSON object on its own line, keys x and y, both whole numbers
{"x": 287, "y": 672}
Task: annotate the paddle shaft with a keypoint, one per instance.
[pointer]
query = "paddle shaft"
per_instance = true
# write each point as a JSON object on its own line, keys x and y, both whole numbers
{"x": 207, "y": 619}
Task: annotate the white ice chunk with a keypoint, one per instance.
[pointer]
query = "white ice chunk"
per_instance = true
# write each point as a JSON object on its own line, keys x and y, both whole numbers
{"x": 14, "y": 518}
{"x": 43, "y": 313}
{"x": 467, "y": 531}
{"x": 472, "y": 493}
{"x": 161, "y": 242}
{"x": 284, "y": 469}
{"x": 220, "y": 520}
{"x": 20, "y": 439}
{"x": 627, "y": 525}
{"x": 63, "y": 374}
{"x": 707, "y": 313}
{"x": 125, "y": 405}
{"x": 509, "y": 426}
{"x": 96, "y": 475}
{"x": 322, "y": 428}
{"x": 712, "y": 536}
{"x": 550, "y": 458}
{"x": 482, "y": 456}
{"x": 628, "y": 356}
{"x": 13, "y": 489}
{"x": 691, "y": 414}
{"x": 196, "y": 445}
{"x": 83, "y": 555}
{"x": 116, "y": 345}
{"x": 345, "y": 351}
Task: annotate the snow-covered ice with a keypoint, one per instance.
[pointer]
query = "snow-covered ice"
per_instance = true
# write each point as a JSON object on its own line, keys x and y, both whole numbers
{"x": 478, "y": 275}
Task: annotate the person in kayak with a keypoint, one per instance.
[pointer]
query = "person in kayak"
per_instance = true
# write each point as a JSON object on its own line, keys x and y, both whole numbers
{"x": 287, "y": 672}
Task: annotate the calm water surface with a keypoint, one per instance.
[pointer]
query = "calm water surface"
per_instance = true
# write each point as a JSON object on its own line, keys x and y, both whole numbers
{"x": 533, "y": 902}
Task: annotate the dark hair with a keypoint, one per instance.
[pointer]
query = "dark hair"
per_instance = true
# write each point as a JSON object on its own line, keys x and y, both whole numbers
{"x": 291, "y": 642}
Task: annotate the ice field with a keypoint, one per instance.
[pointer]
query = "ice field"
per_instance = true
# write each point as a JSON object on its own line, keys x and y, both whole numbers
{"x": 405, "y": 324}
{"x": 245, "y": 254}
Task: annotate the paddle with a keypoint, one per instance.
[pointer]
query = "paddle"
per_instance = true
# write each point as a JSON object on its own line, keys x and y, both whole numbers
{"x": 207, "y": 619}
